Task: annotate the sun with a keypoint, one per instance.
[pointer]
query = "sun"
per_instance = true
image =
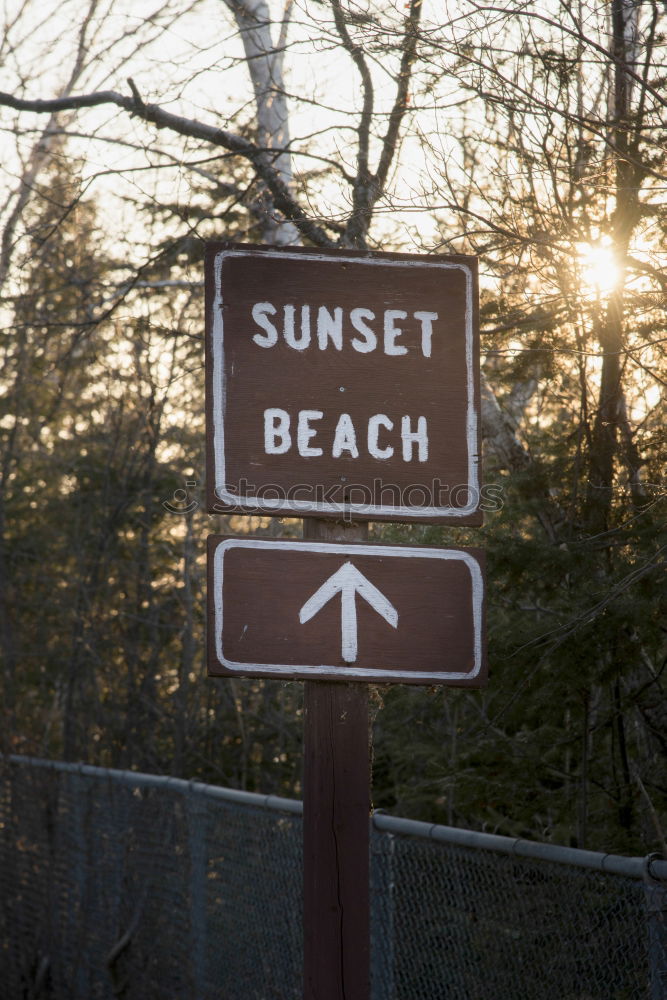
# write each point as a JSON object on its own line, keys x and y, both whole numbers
{"x": 599, "y": 268}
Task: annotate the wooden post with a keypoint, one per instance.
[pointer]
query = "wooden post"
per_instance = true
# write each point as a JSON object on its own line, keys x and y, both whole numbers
{"x": 336, "y": 801}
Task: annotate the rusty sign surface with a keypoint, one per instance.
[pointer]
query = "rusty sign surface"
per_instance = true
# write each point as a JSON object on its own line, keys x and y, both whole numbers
{"x": 325, "y": 611}
{"x": 342, "y": 383}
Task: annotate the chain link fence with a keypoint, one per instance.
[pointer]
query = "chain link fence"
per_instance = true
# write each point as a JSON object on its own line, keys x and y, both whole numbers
{"x": 120, "y": 885}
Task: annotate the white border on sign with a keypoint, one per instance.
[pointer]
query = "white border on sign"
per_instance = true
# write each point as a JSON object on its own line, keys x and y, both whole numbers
{"x": 362, "y": 673}
{"x": 273, "y": 505}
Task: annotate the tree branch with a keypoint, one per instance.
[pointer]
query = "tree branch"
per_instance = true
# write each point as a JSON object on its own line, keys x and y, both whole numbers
{"x": 401, "y": 101}
{"x": 580, "y": 36}
{"x": 189, "y": 127}
{"x": 359, "y": 60}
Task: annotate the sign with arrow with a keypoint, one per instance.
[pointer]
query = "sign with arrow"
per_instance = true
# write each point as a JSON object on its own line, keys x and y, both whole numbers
{"x": 293, "y": 609}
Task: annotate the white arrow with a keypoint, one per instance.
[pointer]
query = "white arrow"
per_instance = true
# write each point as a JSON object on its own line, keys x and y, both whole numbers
{"x": 349, "y": 581}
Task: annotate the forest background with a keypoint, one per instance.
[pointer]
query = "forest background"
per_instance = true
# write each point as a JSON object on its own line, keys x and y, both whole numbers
{"x": 529, "y": 134}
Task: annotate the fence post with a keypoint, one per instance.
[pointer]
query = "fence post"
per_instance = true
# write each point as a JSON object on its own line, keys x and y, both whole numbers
{"x": 196, "y": 812}
{"x": 382, "y": 914}
{"x": 656, "y": 918}
{"x": 75, "y": 788}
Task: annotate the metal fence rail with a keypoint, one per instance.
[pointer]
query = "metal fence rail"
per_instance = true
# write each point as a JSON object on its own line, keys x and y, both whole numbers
{"x": 117, "y": 884}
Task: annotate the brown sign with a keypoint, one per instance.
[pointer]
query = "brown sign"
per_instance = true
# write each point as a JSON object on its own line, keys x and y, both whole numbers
{"x": 342, "y": 384}
{"x": 357, "y": 612}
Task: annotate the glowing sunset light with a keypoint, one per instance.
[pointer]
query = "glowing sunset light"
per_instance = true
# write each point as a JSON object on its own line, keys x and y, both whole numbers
{"x": 599, "y": 268}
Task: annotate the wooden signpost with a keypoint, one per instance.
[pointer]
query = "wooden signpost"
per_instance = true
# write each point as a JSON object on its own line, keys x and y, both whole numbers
{"x": 342, "y": 385}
